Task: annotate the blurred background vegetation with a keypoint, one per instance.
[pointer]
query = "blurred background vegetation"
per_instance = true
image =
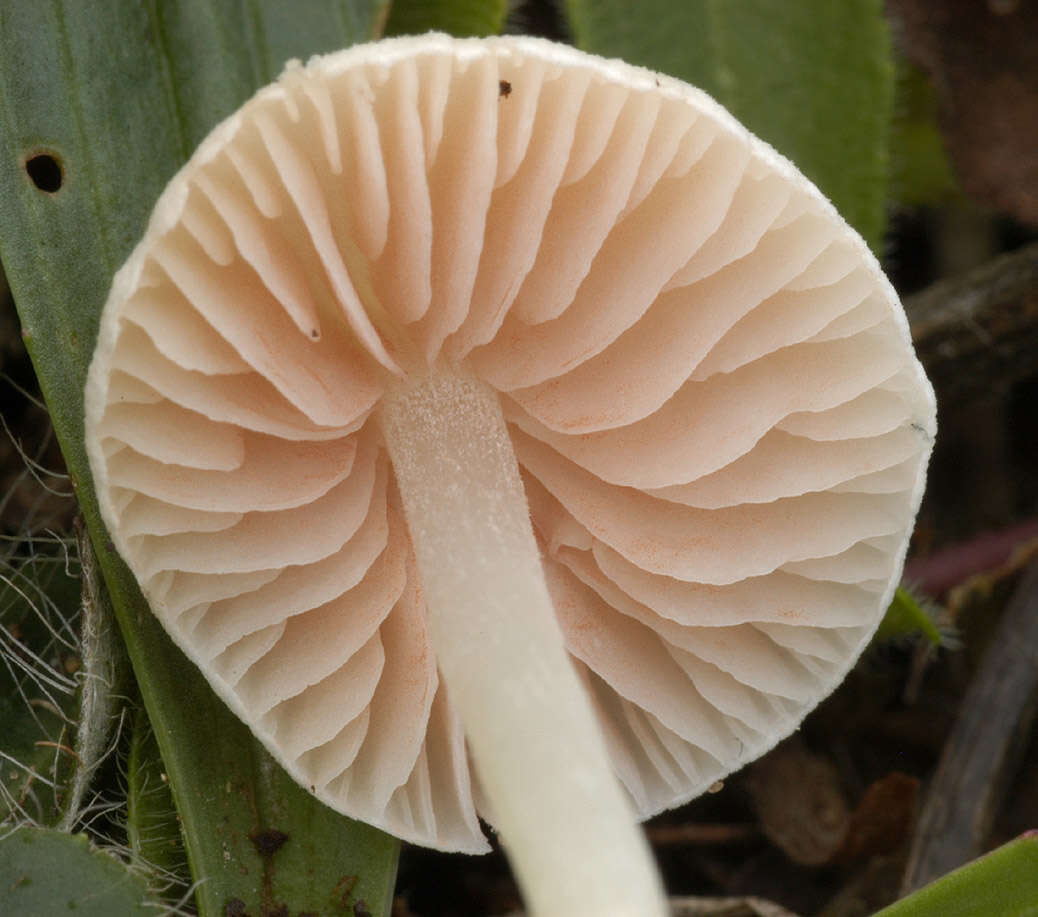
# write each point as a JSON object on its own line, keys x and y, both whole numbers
{"x": 918, "y": 117}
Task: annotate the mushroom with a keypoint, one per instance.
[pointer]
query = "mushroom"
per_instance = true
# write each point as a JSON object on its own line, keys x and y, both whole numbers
{"x": 486, "y": 398}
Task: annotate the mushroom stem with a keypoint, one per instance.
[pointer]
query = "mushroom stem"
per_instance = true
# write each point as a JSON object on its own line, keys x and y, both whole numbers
{"x": 538, "y": 752}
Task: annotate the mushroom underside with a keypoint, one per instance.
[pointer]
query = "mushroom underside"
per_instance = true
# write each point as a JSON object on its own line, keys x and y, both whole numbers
{"x": 706, "y": 386}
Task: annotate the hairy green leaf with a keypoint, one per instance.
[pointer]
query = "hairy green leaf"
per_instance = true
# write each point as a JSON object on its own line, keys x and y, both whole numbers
{"x": 907, "y": 615}
{"x": 103, "y": 679}
{"x": 38, "y": 664}
{"x": 152, "y": 832}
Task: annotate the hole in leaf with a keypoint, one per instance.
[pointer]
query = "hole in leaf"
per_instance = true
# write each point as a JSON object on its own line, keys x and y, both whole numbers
{"x": 44, "y": 169}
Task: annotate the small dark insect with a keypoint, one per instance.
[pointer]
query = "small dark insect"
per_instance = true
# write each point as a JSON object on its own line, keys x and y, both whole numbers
{"x": 360, "y": 909}
{"x": 504, "y": 89}
{"x": 234, "y": 907}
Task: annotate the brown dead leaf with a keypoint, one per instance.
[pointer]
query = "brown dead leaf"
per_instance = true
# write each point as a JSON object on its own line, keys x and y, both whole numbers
{"x": 882, "y": 820}
{"x": 800, "y": 802}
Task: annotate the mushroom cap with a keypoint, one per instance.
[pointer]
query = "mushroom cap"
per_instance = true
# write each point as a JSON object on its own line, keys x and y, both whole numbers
{"x": 722, "y": 428}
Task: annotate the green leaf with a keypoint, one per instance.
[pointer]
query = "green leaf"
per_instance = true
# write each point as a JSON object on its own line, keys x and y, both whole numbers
{"x": 152, "y": 832}
{"x": 906, "y": 615}
{"x": 815, "y": 79}
{"x": 922, "y": 174}
{"x": 45, "y": 872}
{"x": 99, "y": 105}
{"x": 455, "y": 17}
{"x": 1003, "y": 883}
